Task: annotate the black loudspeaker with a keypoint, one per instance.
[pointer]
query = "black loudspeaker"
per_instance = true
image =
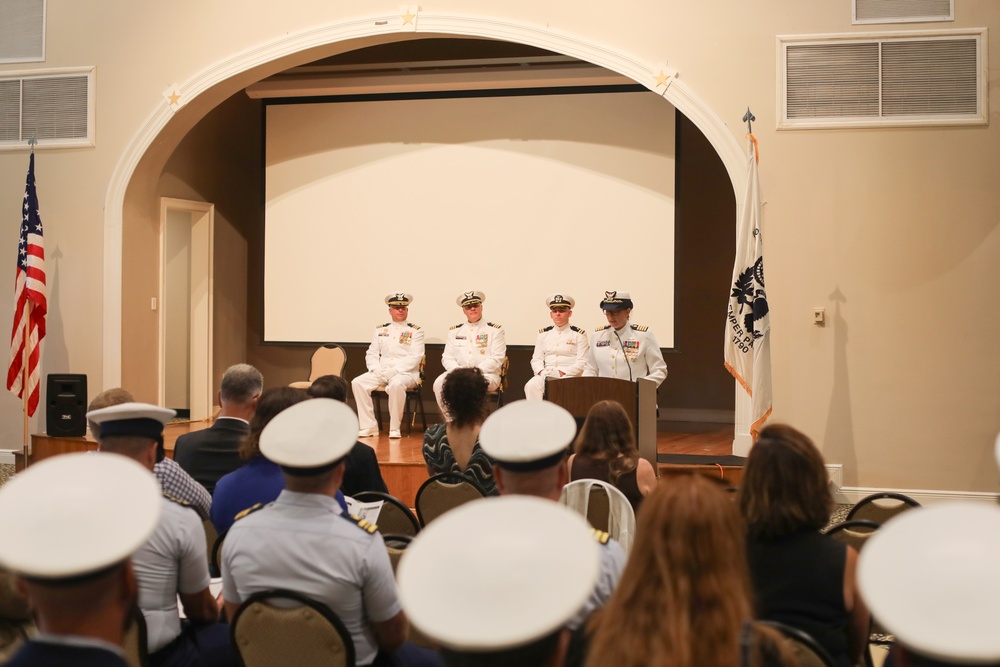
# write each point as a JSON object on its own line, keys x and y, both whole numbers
{"x": 66, "y": 409}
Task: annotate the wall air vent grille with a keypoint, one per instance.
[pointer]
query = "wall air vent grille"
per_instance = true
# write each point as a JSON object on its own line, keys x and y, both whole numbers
{"x": 903, "y": 11}
{"x": 55, "y": 108}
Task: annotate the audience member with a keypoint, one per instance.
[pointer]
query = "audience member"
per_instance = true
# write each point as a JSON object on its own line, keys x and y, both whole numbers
{"x": 362, "y": 472}
{"x": 534, "y": 563}
{"x": 684, "y": 598}
{"x": 174, "y": 561}
{"x": 304, "y": 542}
{"x": 472, "y": 344}
{"x": 931, "y": 579}
{"x": 210, "y": 453}
{"x": 70, "y": 524}
{"x": 258, "y": 481}
{"x": 560, "y": 349}
{"x": 393, "y": 360}
{"x": 454, "y": 445}
{"x": 527, "y": 441}
{"x": 800, "y": 577}
{"x": 605, "y": 450}
{"x": 174, "y": 481}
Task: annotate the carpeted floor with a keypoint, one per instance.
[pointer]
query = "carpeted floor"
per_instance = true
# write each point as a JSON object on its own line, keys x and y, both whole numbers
{"x": 6, "y": 472}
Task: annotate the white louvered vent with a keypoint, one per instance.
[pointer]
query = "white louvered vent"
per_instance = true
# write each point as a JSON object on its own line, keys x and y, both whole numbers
{"x": 900, "y": 79}
{"x": 903, "y": 11}
{"x": 55, "y": 108}
{"x": 22, "y": 31}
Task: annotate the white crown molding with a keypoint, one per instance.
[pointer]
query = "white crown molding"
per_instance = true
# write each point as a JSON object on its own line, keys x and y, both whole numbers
{"x": 674, "y": 91}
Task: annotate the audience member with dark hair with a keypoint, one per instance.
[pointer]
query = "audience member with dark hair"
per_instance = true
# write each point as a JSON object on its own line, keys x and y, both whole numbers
{"x": 257, "y": 481}
{"x": 684, "y": 598}
{"x": 362, "y": 472}
{"x": 801, "y": 577}
{"x": 454, "y": 445}
{"x": 605, "y": 450}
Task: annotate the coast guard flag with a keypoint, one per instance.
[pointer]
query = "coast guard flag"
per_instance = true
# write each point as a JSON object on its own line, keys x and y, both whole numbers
{"x": 29, "y": 297}
{"x": 748, "y": 327}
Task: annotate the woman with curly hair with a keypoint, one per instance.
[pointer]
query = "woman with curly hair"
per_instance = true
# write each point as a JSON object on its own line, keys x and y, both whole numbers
{"x": 454, "y": 445}
{"x": 684, "y": 597}
{"x": 800, "y": 577}
{"x": 605, "y": 450}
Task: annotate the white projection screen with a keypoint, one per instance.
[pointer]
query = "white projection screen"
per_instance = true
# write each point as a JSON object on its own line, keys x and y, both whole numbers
{"x": 517, "y": 196}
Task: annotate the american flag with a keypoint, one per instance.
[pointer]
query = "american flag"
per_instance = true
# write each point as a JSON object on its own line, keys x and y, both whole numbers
{"x": 29, "y": 295}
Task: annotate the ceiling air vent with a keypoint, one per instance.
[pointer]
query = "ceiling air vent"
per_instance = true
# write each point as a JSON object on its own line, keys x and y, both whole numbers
{"x": 55, "y": 108}
{"x": 22, "y": 31}
{"x": 903, "y": 11}
{"x": 899, "y": 79}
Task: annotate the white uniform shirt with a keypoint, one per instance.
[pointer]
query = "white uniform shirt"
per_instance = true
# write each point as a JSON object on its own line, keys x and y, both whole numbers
{"x": 174, "y": 560}
{"x": 631, "y": 354}
{"x": 612, "y": 564}
{"x": 396, "y": 347}
{"x": 302, "y": 542}
{"x": 481, "y": 344}
{"x": 560, "y": 349}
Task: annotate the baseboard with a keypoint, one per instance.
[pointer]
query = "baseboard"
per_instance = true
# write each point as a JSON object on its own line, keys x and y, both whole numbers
{"x": 7, "y": 456}
{"x": 848, "y": 495}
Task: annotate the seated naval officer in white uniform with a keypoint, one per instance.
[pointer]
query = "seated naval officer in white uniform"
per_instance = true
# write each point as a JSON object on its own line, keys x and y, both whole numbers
{"x": 174, "y": 561}
{"x": 534, "y": 563}
{"x": 69, "y": 525}
{"x": 529, "y": 442}
{"x": 930, "y": 576}
{"x": 624, "y": 350}
{"x": 393, "y": 359}
{"x": 304, "y": 542}
{"x": 560, "y": 349}
{"x": 474, "y": 343}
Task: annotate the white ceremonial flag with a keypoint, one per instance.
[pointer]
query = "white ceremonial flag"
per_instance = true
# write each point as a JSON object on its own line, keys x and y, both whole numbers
{"x": 748, "y": 325}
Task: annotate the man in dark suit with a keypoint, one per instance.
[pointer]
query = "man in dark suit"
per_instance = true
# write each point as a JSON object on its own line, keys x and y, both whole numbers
{"x": 211, "y": 453}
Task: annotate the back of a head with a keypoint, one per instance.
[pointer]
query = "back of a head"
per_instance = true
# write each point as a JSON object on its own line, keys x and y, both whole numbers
{"x": 785, "y": 486}
{"x": 106, "y": 399}
{"x": 686, "y": 579}
{"x": 240, "y": 384}
{"x": 329, "y": 386}
{"x": 464, "y": 396}
{"x": 272, "y": 402}
{"x": 607, "y": 431}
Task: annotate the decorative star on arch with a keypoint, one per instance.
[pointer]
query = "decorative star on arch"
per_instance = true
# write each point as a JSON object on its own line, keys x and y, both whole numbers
{"x": 174, "y": 99}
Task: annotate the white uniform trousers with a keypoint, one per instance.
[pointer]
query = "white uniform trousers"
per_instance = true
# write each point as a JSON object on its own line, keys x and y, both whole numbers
{"x": 493, "y": 380}
{"x": 534, "y": 390}
{"x": 396, "y": 387}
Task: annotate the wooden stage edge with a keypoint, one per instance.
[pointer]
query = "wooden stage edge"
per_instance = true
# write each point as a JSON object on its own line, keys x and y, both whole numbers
{"x": 402, "y": 464}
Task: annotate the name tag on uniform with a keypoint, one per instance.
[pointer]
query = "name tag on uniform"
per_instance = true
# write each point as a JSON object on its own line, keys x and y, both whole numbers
{"x": 603, "y": 343}
{"x": 404, "y": 337}
{"x": 482, "y": 340}
{"x": 459, "y": 337}
{"x": 383, "y": 332}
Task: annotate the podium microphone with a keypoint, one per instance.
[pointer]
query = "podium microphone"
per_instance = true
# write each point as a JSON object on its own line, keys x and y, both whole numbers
{"x": 622, "y": 346}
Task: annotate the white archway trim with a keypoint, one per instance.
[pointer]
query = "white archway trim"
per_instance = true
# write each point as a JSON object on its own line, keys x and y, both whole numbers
{"x": 674, "y": 91}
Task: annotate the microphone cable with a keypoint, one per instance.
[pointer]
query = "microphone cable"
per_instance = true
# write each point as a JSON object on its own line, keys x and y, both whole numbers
{"x": 622, "y": 346}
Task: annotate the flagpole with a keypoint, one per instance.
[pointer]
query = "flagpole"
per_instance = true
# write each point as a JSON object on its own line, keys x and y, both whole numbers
{"x": 26, "y": 446}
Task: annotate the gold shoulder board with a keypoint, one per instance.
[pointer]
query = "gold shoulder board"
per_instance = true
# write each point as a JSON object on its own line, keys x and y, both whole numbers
{"x": 175, "y": 499}
{"x": 455, "y": 327}
{"x": 364, "y": 525}
{"x": 639, "y": 327}
{"x": 576, "y": 328}
{"x": 606, "y": 326}
{"x": 544, "y": 329}
{"x": 248, "y": 511}
{"x": 601, "y": 536}
{"x": 494, "y": 325}
{"x": 415, "y": 326}
{"x": 383, "y": 326}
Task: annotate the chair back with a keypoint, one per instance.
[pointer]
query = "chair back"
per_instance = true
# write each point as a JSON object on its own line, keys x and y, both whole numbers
{"x": 215, "y": 561}
{"x": 210, "y": 537}
{"x": 443, "y": 492}
{"x": 880, "y": 507}
{"x": 504, "y": 367}
{"x": 328, "y": 360}
{"x": 806, "y": 650}
{"x": 394, "y": 518}
{"x": 307, "y": 634}
{"x": 853, "y": 533}
{"x": 134, "y": 642}
{"x": 604, "y": 506}
{"x": 395, "y": 545}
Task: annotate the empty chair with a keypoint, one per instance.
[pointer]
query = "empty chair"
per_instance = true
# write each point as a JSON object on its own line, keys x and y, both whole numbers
{"x": 394, "y": 518}
{"x": 307, "y": 634}
{"x": 853, "y": 533}
{"x": 441, "y": 493}
{"x": 807, "y": 652}
{"x": 605, "y": 507}
{"x": 880, "y": 507}
{"x": 329, "y": 359}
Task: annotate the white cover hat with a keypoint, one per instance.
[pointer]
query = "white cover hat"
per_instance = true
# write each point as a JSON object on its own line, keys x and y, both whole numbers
{"x": 564, "y": 300}
{"x": 534, "y": 561}
{"x": 76, "y": 514}
{"x": 310, "y": 434}
{"x": 930, "y": 576}
{"x": 470, "y": 298}
{"x": 527, "y": 435}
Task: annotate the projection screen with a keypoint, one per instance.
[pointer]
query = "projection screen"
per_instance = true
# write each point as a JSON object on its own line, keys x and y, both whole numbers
{"x": 517, "y": 196}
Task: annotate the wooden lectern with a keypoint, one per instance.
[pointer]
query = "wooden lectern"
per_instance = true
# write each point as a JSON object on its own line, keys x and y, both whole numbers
{"x": 578, "y": 395}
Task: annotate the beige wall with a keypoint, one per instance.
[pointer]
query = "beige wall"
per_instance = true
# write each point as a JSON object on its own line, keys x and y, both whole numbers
{"x": 893, "y": 231}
